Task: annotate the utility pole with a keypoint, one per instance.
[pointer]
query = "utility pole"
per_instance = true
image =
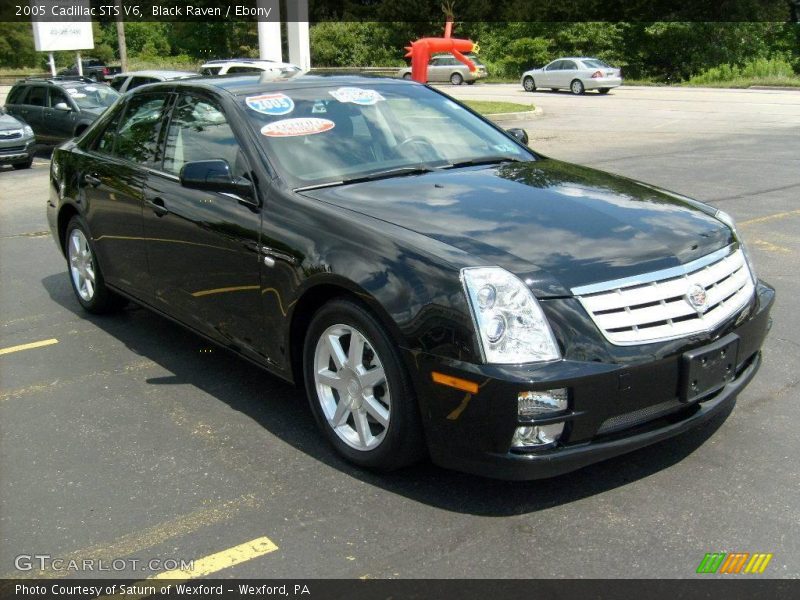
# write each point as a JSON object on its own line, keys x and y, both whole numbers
{"x": 123, "y": 48}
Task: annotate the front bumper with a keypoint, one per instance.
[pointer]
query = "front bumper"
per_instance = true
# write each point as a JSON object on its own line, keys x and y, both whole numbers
{"x": 17, "y": 151}
{"x": 614, "y": 408}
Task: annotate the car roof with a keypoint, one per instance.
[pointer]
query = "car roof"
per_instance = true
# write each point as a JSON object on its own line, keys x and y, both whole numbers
{"x": 157, "y": 73}
{"x": 238, "y": 84}
{"x": 247, "y": 61}
{"x": 59, "y": 80}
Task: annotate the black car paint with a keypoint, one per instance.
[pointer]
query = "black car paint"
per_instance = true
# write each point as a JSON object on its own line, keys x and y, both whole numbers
{"x": 555, "y": 225}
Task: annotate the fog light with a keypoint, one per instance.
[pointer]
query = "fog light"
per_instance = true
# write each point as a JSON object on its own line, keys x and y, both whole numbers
{"x": 537, "y": 436}
{"x": 530, "y": 404}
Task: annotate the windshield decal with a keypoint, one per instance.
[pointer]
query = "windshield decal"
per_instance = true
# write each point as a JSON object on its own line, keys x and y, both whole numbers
{"x": 354, "y": 95}
{"x": 90, "y": 88}
{"x": 297, "y": 127}
{"x": 270, "y": 104}
{"x": 71, "y": 91}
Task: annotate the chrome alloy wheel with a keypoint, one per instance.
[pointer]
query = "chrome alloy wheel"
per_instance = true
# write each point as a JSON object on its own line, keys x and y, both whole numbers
{"x": 351, "y": 387}
{"x": 81, "y": 265}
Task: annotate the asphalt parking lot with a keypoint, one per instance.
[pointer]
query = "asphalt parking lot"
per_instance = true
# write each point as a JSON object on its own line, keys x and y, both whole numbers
{"x": 129, "y": 437}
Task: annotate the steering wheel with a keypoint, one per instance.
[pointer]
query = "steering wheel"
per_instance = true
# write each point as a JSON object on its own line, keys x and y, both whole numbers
{"x": 421, "y": 141}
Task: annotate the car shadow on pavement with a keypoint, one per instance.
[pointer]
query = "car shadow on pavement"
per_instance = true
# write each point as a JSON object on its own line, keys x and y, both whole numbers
{"x": 283, "y": 410}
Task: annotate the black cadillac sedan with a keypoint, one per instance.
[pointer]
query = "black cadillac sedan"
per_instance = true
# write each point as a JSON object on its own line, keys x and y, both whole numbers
{"x": 437, "y": 287}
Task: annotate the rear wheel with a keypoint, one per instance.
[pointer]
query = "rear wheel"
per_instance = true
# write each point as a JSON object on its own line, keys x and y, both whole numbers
{"x": 528, "y": 84}
{"x": 604, "y": 90}
{"x": 576, "y": 87}
{"x": 359, "y": 392}
{"x": 84, "y": 272}
{"x": 407, "y": 76}
{"x": 456, "y": 79}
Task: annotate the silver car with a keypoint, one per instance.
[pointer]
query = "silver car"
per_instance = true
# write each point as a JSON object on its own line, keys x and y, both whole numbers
{"x": 124, "y": 82}
{"x": 445, "y": 67}
{"x": 575, "y": 74}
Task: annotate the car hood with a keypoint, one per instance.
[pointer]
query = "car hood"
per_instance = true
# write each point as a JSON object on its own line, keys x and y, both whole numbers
{"x": 9, "y": 122}
{"x": 556, "y": 224}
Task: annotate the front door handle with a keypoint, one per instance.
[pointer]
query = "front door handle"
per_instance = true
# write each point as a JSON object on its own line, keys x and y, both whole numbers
{"x": 92, "y": 179}
{"x": 157, "y": 204}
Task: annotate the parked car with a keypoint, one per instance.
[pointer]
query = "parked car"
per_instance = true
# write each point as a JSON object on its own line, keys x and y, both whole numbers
{"x": 248, "y": 65}
{"x": 124, "y": 82}
{"x": 432, "y": 282}
{"x": 445, "y": 67}
{"x": 59, "y": 108}
{"x": 93, "y": 68}
{"x": 574, "y": 74}
{"x": 17, "y": 142}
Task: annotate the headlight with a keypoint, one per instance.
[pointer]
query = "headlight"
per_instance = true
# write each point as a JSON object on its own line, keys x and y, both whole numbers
{"x": 510, "y": 323}
{"x": 728, "y": 220}
{"x": 27, "y": 131}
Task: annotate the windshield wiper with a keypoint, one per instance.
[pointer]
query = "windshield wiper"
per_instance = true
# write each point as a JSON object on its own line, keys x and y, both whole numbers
{"x": 482, "y": 160}
{"x": 387, "y": 174}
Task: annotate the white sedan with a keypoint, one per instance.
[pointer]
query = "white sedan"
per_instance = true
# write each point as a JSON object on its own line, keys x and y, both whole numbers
{"x": 574, "y": 74}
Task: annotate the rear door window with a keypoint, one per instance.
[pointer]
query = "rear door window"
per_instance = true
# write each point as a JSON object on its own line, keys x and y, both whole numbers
{"x": 137, "y": 81}
{"x": 37, "y": 96}
{"x": 137, "y": 136}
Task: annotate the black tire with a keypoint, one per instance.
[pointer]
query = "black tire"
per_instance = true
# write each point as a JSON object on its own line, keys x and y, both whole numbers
{"x": 604, "y": 90}
{"x": 528, "y": 84}
{"x": 403, "y": 442}
{"x": 407, "y": 76}
{"x": 25, "y": 165}
{"x": 103, "y": 300}
{"x": 576, "y": 87}
{"x": 456, "y": 79}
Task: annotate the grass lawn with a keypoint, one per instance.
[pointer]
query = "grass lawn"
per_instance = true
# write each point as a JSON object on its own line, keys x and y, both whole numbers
{"x": 487, "y": 107}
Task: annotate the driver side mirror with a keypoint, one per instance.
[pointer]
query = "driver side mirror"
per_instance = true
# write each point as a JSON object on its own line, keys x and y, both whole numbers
{"x": 215, "y": 176}
{"x": 520, "y": 134}
{"x": 62, "y": 106}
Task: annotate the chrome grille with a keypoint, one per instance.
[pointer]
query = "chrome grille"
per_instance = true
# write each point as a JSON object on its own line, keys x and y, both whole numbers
{"x": 661, "y": 305}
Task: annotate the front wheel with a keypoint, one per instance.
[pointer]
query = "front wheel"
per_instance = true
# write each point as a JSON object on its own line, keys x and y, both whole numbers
{"x": 576, "y": 87}
{"x": 407, "y": 76}
{"x": 25, "y": 165}
{"x": 456, "y": 79}
{"x": 359, "y": 393}
{"x": 84, "y": 272}
{"x": 528, "y": 84}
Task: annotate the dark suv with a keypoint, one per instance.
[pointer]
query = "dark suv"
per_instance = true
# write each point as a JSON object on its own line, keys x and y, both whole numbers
{"x": 59, "y": 109}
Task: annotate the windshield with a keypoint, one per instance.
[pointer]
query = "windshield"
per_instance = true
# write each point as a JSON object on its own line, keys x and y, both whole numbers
{"x": 333, "y": 134}
{"x": 90, "y": 96}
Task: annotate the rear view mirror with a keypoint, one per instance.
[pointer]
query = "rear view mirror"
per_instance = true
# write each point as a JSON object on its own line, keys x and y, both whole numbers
{"x": 215, "y": 176}
{"x": 520, "y": 134}
{"x": 62, "y": 106}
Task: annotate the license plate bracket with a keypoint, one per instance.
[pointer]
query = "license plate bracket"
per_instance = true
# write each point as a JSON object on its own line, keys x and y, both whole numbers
{"x": 707, "y": 369}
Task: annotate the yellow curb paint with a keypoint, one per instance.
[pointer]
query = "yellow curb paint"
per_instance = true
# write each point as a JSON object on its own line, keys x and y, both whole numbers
{"x": 222, "y": 560}
{"x": 774, "y": 217}
{"x": 30, "y": 346}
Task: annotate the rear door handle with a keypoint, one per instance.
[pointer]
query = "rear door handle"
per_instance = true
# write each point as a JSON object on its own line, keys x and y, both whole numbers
{"x": 157, "y": 204}
{"x": 92, "y": 179}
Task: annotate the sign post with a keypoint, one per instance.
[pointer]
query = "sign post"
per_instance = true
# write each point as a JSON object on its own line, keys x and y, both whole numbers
{"x": 49, "y": 36}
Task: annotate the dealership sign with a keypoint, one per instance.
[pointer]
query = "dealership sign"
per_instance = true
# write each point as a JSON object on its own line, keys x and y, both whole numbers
{"x": 49, "y": 36}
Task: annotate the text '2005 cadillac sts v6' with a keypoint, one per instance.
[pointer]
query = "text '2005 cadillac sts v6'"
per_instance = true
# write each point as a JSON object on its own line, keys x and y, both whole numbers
{"x": 435, "y": 285}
